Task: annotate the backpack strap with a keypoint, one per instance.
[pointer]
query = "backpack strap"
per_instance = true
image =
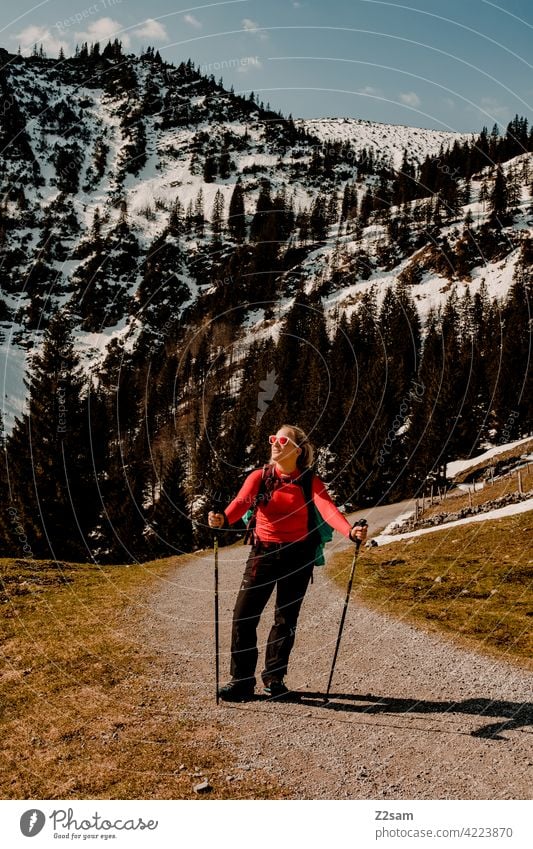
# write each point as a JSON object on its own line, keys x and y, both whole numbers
{"x": 306, "y": 482}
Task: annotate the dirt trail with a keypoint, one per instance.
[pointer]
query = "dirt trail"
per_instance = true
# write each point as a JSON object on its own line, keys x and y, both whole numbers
{"x": 411, "y": 715}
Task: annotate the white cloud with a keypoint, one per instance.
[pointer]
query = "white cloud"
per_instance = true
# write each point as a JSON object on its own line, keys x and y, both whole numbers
{"x": 151, "y": 29}
{"x": 410, "y": 98}
{"x": 449, "y": 102}
{"x": 247, "y": 62}
{"x": 252, "y": 26}
{"x": 249, "y": 25}
{"x": 370, "y": 90}
{"x": 39, "y": 35}
{"x": 194, "y": 22}
{"x": 103, "y": 30}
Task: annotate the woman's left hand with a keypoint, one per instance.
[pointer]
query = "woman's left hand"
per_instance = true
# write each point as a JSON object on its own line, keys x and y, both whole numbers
{"x": 359, "y": 532}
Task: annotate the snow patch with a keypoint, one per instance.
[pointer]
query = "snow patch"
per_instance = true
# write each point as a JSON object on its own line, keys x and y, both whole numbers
{"x": 457, "y": 466}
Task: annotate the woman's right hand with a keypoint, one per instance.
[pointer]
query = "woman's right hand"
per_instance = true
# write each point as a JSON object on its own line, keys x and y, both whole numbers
{"x": 215, "y": 520}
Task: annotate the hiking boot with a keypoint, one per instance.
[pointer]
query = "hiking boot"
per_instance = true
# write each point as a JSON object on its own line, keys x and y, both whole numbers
{"x": 275, "y": 690}
{"x": 237, "y": 691}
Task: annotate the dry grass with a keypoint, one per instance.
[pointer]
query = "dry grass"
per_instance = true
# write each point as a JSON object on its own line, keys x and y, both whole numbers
{"x": 472, "y": 582}
{"x": 80, "y": 715}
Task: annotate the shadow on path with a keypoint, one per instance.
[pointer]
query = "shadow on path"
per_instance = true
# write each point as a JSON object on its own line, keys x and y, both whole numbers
{"x": 515, "y": 714}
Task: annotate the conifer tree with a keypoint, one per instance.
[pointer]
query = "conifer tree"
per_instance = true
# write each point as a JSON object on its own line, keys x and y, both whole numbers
{"x": 367, "y": 205}
{"x": 236, "y": 217}
{"x": 120, "y": 527}
{"x": 103, "y": 280}
{"x": 401, "y": 333}
{"x": 210, "y": 168}
{"x": 318, "y": 221}
{"x": 170, "y": 519}
{"x": 360, "y": 441}
{"x": 189, "y": 218}
{"x": 434, "y": 434}
{"x": 512, "y": 363}
{"x": 342, "y": 366}
{"x": 224, "y": 161}
{"x": 472, "y": 332}
{"x": 49, "y": 452}
{"x": 199, "y": 218}
{"x": 217, "y": 216}
{"x": 261, "y": 224}
{"x": 349, "y": 203}
{"x": 301, "y": 361}
{"x": 499, "y": 200}
{"x": 162, "y": 291}
{"x": 175, "y": 221}
{"x": 283, "y": 216}
{"x": 333, "y": 209}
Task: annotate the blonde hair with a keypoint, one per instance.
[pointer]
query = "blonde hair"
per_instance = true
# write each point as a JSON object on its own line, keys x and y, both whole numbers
{"x": 307, "y": 457}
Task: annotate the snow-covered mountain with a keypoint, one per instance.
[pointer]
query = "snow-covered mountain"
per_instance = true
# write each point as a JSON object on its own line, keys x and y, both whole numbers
{"x": 118, "y": 177}
{"x": 390, "y": 140}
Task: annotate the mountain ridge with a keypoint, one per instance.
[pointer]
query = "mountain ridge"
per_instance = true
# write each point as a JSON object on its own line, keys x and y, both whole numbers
{"x": 136, "y": 142}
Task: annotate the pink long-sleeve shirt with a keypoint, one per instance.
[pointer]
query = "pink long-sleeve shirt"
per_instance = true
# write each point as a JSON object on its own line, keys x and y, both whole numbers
{"x": 284, "y": 517}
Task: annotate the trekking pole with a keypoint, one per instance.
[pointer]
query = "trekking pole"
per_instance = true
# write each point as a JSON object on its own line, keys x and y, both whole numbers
{"x": 361, "y": 524}
{"x": 217, "y": 652}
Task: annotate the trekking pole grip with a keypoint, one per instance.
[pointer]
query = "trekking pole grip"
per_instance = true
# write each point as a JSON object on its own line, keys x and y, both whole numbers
{"x": 362, "y": 523}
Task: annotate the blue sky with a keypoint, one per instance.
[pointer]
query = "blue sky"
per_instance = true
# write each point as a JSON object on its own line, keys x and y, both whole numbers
{"x": 455, "y": 65}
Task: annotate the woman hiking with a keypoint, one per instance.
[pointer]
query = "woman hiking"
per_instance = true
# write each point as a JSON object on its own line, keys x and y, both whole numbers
{"x": 282, "y": 556}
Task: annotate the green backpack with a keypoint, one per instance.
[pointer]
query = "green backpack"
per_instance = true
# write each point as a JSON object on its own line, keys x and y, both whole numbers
{"x": 319, "y": 530}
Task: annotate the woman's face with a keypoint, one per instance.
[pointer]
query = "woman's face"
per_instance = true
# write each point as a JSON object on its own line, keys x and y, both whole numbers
{"x": 288, "y": 452}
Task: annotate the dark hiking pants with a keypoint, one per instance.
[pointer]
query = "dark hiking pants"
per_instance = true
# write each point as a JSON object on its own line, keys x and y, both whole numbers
{"x": 289, "y": 568}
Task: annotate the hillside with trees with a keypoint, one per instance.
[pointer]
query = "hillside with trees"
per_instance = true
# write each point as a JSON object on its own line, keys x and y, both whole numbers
{"x": 168, "y": 248}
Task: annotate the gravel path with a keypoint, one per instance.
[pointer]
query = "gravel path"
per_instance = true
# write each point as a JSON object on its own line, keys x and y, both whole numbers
{"x": 410, "y": 716}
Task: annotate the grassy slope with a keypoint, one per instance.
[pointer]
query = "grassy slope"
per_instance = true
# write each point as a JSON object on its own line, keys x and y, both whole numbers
{"x": 504, "y": 486}
{"x": 473, "y": 582}
{"x": 80, "y": 716}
